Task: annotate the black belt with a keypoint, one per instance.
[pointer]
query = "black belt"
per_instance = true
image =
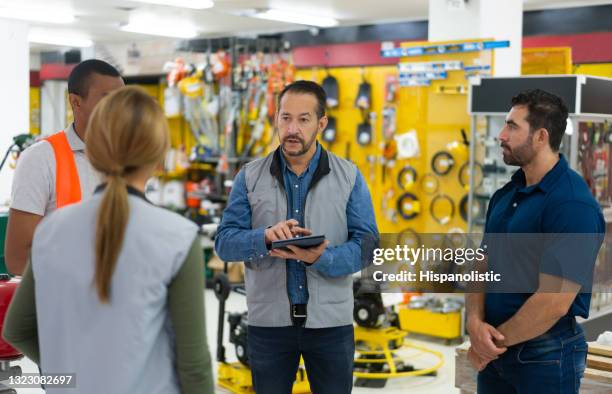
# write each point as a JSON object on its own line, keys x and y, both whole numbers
{"x": 298, "y": 314}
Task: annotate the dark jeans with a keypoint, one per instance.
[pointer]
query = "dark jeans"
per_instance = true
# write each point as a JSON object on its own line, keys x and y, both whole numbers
{"x": 274, "y": 354}
{"x": 551, "y": 363}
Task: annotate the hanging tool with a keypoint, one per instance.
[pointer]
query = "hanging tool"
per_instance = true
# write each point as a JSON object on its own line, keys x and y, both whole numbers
{"x": 478, "y": 209}
{"x": 409, "y": 237}
{"x": 407, "y": 177}
{"x": 442, "y": 209}
{"x": 258, "y": 125}
{"x": 387, "y": 208}
{"x": 389, "y": 122}
{"x": 330, "y": 85}
{"x": 429, "y": 184}
{"x": 457, "y": 238}
{"x": 176, "y": 71}
{"x": 330, "y": 132}
{"x": 408, "y": 206}
{"x": 464, "y": 175}
{"x": 371, "y": 159}
{"x": 407, "y": 145}
{"x": 364, "y": 133}
{"x": 391, "y": 87}
{"x": 442, "y": 163}
{"x": 363, "y": 100}
{"x": 389, "y": 111}
{"x": 388, "y": 157}
{"x": 199, "y": 116}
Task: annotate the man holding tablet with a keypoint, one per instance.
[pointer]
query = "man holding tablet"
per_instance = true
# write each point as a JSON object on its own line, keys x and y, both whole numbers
{"x": 300, "y": 299}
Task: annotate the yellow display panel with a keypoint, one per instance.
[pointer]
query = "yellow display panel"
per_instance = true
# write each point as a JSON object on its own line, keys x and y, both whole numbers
{"x": 423, "y": 321}
{"x": 541, "y": 61}
{"x": 595, "y": 69}
{"x": 35, "y": 110}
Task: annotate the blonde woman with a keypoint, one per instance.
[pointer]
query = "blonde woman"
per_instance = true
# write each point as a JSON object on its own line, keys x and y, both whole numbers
{"x": 114, "y": 289}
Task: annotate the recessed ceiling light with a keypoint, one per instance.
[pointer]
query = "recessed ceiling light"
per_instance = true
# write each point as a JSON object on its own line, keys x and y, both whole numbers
{"x": 296, "y": 17}
{"x": 155, "y": 26}
{"x": 193, "y": 4}
{"x": 63, "y": 40}
{"x": 38, "y": 14}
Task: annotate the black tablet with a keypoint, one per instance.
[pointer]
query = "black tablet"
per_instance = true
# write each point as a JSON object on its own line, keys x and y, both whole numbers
{"x": 302, "y": 242}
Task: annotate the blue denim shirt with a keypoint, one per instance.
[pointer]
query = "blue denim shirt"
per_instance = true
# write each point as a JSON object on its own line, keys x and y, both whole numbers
{"x": 296, "y": 188}
{"x": 237, "y": 241}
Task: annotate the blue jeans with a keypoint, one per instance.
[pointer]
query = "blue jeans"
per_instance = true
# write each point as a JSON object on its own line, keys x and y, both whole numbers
{"x": 274, "y": 354}
{"x": 551, "y": 363}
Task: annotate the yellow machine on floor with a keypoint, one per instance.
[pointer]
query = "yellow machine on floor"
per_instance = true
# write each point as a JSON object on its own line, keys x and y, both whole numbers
{"x": 236, "y": 377}
{"x": 426, "y": 322}
{"x": 377, "y": 354}
{"x": 380, "y": 343}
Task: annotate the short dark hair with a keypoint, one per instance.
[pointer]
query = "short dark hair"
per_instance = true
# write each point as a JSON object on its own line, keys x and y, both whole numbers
{"x": 307, "y": 87}
{"x": 78, "y": 81}
{"x": 546, "y": 110}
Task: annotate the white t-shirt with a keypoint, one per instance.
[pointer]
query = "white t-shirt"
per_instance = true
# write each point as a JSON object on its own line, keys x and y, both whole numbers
{"x": 34, "y": 181}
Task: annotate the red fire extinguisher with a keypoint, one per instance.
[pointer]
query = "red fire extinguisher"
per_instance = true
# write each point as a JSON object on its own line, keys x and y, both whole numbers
{"x": 8, "y": 286}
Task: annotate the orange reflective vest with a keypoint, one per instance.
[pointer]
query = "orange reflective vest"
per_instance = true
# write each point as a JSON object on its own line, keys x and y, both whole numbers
{"x": 67, "y": 183}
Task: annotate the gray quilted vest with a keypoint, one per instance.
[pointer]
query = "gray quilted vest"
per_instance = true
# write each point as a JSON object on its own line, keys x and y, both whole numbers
{"x": 330, "y": 302}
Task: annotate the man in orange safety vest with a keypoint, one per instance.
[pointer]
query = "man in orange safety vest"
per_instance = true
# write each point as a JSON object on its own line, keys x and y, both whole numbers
{"x": 55, "y": 172}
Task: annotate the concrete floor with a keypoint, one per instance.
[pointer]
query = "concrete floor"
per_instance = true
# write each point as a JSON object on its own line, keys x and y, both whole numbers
{"x": 443, "y": 383}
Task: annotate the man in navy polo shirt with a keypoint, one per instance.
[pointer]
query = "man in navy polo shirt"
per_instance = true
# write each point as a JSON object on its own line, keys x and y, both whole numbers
{"x": 529, "y": 342}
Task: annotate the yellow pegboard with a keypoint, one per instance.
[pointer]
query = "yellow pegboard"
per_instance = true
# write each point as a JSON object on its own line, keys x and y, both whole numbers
{"x": 349, "y": 117}
{"x": 437, "y": 113}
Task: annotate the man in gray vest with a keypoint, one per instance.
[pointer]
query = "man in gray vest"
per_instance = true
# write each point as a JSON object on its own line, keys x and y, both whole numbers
{"x": 300, "y": 301}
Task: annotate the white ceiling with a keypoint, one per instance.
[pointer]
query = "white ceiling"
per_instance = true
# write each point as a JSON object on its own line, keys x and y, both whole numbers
{"x": 100, "y": 20}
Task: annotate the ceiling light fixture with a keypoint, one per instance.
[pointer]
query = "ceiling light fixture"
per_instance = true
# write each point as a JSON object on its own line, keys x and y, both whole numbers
{"x": 31, "y": 14}
{"x": 296, "y": 17}
{"x": 154, "y": 26}
{"x": 44, "y": 37}
{"x": 192, "y": 4}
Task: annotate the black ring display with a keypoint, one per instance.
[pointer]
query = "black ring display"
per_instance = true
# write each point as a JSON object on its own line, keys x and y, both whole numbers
{"x": 463, "y": 207}
{"x": 436, "y": 200}
{"x": 400, "y": 205}
{"x": 466, "y": 182}
{"x": 440, "y": 156}
{"x": 401, "y": 177}
{"x": 408, "y": 233}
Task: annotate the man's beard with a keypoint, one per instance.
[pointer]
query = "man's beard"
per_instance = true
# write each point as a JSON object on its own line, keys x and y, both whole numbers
{"x": 521, "y": 155}
{"x": 305, "y": 146}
